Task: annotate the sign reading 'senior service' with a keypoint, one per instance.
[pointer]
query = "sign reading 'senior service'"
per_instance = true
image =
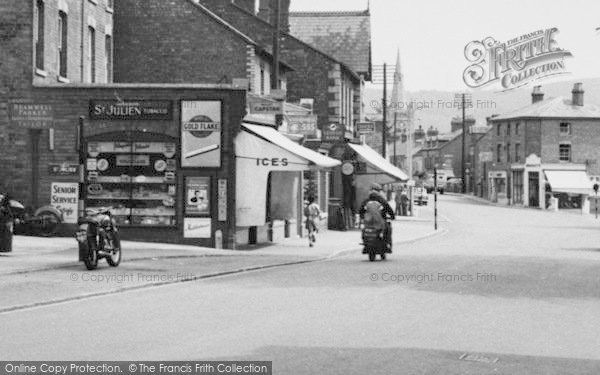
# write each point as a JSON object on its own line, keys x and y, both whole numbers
{"x": 131, "y": 110}
{"x": 514, "y": 63}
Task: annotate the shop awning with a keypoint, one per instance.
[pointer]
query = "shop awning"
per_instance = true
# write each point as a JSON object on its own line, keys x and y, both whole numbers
{"x": 377, "y": 162}
{"x": 262, "y": 154}
{"x": 274, "y": 137}
{"x": 574, "y": 182}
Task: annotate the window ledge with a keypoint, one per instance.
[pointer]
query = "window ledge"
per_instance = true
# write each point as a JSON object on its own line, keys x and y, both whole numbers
{"x": 95, "y": 2}
{"x": 41, "y": 72}
{"x": 63, "y": 79}
{"x": 110, "y": 10}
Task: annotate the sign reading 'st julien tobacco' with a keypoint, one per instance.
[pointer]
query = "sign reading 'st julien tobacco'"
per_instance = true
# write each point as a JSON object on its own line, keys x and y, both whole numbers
{"x": 131, "y": 109}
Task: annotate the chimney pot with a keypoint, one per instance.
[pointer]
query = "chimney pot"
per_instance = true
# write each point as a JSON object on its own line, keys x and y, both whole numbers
{"x": 537, "y": 95}
{"x": 577, "y": 94}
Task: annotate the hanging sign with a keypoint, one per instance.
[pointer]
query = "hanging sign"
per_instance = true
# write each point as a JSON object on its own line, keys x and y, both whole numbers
{"x": 333, "y": 133}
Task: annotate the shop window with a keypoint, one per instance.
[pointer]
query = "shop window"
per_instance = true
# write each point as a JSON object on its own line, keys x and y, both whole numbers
{"x": 108, "y": 52}
{"x": 564, "y": 152}
{"x": 92, "y": 54}
{"x": 62, "y": 44}
{"x": 137, "y": 179}
{"x": 565, "y": 128}
{"x": 39, "y": 42}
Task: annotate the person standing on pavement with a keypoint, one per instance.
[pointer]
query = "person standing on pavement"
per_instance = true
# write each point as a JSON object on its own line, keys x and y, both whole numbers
{"x": 404, "y": 203}
{"x": 397, "y": 199}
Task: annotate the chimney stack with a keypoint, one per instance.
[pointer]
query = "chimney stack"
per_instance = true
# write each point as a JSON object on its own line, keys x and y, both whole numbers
{"x": 578, "y": 94}
{"x": 537, "y": 95}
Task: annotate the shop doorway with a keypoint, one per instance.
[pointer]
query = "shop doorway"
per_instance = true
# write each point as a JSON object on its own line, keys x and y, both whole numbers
{"x": 534, "y": 189}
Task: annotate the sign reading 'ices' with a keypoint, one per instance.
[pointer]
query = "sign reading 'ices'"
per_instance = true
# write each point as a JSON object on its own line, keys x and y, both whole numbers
{"x": 201, "y": 129}
{"x": 516, "y": 62}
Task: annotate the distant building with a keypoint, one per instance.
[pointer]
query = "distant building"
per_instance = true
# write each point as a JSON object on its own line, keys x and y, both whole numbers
{"x": 548, "y": 148}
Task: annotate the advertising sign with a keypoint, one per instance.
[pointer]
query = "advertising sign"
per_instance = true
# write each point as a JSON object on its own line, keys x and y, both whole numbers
{"x": 64, "y": 169}
{"x": 302, "y": 124}
{"x": 333, "y": 133}
{"x": 196, "y": 227}
{"x": 197, "y": 196}
{"x": 131, "y": 110}
{"x": 64, "y": 196}
{"x": 201, "y": 129}
{"x": 222, "y": 200}
{"x": 365, "y": 128}
{"x": 265, "y": 107}
{"x": 32, "y": 115}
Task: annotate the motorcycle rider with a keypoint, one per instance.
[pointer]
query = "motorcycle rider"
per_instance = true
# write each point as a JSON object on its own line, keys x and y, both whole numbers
{"x": 379, "y": 214}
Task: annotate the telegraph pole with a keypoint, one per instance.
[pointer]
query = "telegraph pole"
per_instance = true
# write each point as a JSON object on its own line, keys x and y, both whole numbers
{"x": 384, "y": 103}
{"x": 395, "y": 157}
{"x": 276, "y": 34}
{"x": 464, "y": 180}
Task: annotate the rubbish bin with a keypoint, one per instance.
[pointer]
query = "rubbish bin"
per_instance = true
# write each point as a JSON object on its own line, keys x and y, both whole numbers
{"x": 335, "y": 213}
{"x": 6, "y": 230}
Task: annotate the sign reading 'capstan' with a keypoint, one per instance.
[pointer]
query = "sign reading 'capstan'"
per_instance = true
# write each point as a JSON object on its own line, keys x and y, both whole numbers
{"x": 131, "y": 109}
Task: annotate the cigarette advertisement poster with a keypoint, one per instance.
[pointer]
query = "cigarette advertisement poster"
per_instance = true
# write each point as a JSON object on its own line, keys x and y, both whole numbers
{"x": 64, "y": 196}
{"x": 197, "y": 196}
{"x": 201, "y": 128}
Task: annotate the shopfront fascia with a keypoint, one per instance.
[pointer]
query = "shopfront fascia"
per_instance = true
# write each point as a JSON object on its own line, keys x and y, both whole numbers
{"x": 269, "y": 177}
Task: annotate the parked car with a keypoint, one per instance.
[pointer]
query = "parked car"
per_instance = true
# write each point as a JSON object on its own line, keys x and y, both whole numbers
{"x": 454, "y": 184}
{"x": 429, "y": 184}
{"x": 420, "y": 196}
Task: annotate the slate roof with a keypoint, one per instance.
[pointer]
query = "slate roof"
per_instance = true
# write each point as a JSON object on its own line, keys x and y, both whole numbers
{"x": 560, "y": 107}
{"x": 344, "y": 35}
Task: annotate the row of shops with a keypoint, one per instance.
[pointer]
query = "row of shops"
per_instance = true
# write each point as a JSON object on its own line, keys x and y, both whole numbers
{"x": 180, "y": 163}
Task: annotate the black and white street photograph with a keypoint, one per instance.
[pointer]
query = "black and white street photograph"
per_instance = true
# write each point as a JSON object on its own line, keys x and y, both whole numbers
{"x": 299, "y": 187}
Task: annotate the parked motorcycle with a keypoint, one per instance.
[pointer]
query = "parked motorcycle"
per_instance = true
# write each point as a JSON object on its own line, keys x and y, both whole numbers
{"x": 98, "y": 238}
{"x": 374, "y": 242}
{"x": 44, "y": 221}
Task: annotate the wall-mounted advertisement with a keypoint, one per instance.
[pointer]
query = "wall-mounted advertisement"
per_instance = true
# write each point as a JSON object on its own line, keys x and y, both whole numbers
{"x": 196, "y": 227}
{"x": 201, "y": 128}
{"x": 197, "y": 196}
{"x": 64, "y": 196}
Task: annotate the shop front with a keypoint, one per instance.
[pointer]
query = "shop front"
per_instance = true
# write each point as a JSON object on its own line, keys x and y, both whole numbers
{"x": 269, "y": 193}
{"x": 160, "y": 156}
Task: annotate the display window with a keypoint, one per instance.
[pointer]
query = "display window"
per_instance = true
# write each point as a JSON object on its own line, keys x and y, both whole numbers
{"x": 137, "y": 179}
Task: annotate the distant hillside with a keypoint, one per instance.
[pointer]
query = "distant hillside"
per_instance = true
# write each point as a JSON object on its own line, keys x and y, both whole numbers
{"x": 437, "y": 107}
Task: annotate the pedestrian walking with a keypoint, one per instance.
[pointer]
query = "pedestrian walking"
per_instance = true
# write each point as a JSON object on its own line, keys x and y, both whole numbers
{"x": 312, "y": 213}
{"x": 404, "y": 203}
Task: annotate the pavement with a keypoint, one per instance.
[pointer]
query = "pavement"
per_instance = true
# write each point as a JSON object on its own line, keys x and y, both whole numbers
{"x": 43, "y": 271}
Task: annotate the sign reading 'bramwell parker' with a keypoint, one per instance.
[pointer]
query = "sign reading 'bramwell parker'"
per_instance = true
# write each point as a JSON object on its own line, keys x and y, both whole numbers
{"x": 514, "y": 63}
{"x": 131, "y": 110}
{"x": 32, "y": 115}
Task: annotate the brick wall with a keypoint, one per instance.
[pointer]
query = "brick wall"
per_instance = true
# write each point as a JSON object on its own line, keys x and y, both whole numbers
{"x": 192, "y": 48}
{"x": 584, "y": 140}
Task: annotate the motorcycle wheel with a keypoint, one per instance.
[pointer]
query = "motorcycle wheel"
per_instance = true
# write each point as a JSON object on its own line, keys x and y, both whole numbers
{"x": 382, "y": 256}
{"x": 372, "y": 255}
{"x": 91, "y": 260}
{"x": 114, "y": 259}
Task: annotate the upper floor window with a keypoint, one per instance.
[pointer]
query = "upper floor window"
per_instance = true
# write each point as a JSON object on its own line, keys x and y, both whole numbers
{"x": 62, "y": 44}
{"x": 92, "y": 54}
{"x": 499, "y": 153}
{"x": 499, "y": 130}
{"x": 508, "y": 129}
{"x": 508, "y": 157}
{"x": 517, "y": 126}
{"x": 109, "y": 58}
{"x": 564, "y": 152}
{"x": 110, "y": 5}
{"x": 517, "y": 153}
{"x": 262, "y": 79}
{"x": 39, "y": 35}
{"x": 565, "y": 128}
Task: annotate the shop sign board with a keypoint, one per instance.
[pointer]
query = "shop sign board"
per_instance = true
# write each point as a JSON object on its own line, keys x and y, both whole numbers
{"x": 302, "y": 124}
{"x": 32, "y": 115}
{"x": 197, "y": 196}
{"x": 222, "y": 200}
{"x": 64, "y": 196}
{"x": 131, "y": 110}
{"x": 265, "y": 107}
{"x": 196, "y": 227}
{"x": 333, "y": 133}
{"x": 201, "y": 129}
{"x": 64, "y": 169}
{"x": 365, "y": 128}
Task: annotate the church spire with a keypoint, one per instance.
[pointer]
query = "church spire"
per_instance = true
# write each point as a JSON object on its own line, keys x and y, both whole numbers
{"x": 398, "y": 100}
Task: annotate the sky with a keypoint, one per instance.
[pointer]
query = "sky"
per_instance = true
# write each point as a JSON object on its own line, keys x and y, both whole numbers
{"x": 432, "y": 34}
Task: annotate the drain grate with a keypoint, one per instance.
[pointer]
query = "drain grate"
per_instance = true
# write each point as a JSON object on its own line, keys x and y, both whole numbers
{"x": 473, "y": 357}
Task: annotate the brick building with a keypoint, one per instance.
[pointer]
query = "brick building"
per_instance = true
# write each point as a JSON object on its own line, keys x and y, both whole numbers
{"x": 549, "y": 148}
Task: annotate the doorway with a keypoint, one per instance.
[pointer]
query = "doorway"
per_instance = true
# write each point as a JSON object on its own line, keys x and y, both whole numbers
{"x": 534, "y": 189}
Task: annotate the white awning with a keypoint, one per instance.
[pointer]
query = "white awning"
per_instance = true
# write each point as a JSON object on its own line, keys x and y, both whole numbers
{"x": 574, "y": 182}
{"x": 377, "y": 162}
{"x": 260, "y": 152}
{"x": 276, "y": 138}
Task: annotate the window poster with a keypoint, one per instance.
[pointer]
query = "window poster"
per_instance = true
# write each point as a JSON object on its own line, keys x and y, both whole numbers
{"x": 201, "y": 128}
{"x": 197, "y": 196}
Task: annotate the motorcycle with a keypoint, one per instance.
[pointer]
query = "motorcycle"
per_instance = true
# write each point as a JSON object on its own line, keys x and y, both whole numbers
{"x": 374, "y": 242}
{"x": 44, "y": 221}
{"x": 98, "y": 237}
